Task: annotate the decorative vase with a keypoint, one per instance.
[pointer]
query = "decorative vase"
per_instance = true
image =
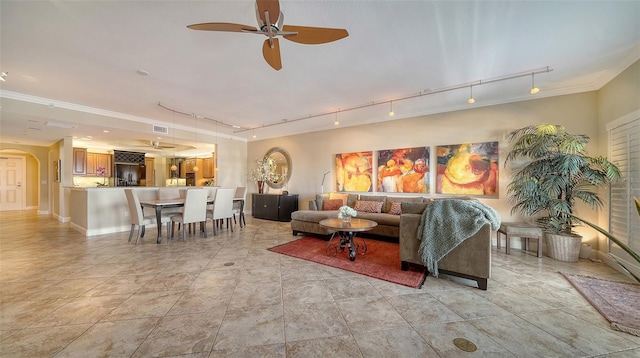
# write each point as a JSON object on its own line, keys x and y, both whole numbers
{"x": 346, "y": 219}
{"x": 260, "y": 186}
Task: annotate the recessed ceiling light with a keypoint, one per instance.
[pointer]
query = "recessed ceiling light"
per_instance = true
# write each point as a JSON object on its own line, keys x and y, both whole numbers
{"x": 142, "y": 72}
{"x": 236, "y": 126}
{"x": 105, "y": 131}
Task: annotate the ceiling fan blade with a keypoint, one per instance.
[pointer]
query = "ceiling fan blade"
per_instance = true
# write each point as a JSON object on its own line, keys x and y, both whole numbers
{"x": 314, "y": 35}
{"x": 272, "y": 55}
{"x": 222, "y": 26}
{"x": 272, "y": 6}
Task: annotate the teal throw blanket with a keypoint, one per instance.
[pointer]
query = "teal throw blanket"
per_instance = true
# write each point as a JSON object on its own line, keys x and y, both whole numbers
{"x": 447, "y": 223}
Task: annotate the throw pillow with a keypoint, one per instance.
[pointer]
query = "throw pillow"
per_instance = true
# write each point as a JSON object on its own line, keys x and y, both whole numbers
{"x": 331, "y": 204}
{"x": 396, "y": 208}
{"x": 369, "y": 206}
{"x": 342, "y": 197}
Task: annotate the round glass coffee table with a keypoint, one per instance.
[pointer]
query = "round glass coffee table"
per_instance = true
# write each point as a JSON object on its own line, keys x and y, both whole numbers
{"x": 346, "y": 231}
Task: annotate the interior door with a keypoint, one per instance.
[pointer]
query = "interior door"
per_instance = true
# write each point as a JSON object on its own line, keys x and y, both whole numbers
{"x": 11, "y": 183}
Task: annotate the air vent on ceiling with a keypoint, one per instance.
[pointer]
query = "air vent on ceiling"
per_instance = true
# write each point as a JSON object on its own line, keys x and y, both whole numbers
{"x": 160, "y": 129}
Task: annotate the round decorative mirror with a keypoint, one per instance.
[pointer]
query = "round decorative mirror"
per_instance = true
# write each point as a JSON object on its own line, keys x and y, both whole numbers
{"x": 282, "y": 165}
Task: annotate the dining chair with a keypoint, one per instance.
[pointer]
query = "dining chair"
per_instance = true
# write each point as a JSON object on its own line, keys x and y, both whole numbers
{"x": 169, "y": 193}
{"x": 138, "y": 218}
{"x": 222, "y": 208}
{"x": 195, "y": 211}
{"x": 239, "y": 199}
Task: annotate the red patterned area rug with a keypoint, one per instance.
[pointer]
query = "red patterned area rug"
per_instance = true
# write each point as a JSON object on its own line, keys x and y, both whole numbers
{"x": 382, "y": 259}
{"x": 618, "y": 302}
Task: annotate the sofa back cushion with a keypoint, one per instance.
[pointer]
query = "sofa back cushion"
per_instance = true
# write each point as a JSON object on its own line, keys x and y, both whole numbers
{"x": 414, "y": 208}
{"x": 341, "y": 196}
{"x": 332, "y": 204}
{"x": 399, "y": 199}
{"x": 319, "y": 199}
{"x": 369, "y": 206}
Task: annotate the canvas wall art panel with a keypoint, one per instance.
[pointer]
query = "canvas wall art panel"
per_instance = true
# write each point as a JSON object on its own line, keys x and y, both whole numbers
{"x": 467, "y": 169}
{"x": 403, "y": 170}
{"x": 354, "y": 171}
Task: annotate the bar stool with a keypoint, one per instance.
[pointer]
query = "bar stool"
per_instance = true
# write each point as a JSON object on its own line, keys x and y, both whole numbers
{"x": 522, "y": 230}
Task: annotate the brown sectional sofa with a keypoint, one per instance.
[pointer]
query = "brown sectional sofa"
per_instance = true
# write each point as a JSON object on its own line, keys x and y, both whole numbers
{"x": 470, "y": 260}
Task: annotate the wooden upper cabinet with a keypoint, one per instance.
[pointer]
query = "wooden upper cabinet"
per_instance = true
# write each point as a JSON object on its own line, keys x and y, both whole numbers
{"x": 208, "y": 170}
{"x": 79, "y": 161}
{"x": 102, "y": 161}
{"x": 98, "y": 160}
{"x": 91, "y": 164}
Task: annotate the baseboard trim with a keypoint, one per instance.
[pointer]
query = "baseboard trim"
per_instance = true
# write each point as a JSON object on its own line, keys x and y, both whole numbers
{"x": 609, "y": 261}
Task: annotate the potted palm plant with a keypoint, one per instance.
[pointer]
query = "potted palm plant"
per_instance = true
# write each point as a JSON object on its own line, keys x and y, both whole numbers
{"x": 558, "y": 173}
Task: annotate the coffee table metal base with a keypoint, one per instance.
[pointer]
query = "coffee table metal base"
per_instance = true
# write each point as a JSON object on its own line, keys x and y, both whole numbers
{"x": 346, "y": 240}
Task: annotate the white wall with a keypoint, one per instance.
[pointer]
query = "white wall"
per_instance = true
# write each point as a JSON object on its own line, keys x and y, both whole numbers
{"x": 313, "y": 153}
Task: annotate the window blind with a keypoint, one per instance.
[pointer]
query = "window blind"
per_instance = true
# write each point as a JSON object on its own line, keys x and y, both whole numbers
{"x": 624, "y": 151}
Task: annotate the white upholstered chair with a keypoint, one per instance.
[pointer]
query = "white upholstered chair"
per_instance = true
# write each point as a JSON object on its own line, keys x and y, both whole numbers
{"x": 195, "y": 211}
{"x": 222, "y": 208}
{"x": 138, "y": 218}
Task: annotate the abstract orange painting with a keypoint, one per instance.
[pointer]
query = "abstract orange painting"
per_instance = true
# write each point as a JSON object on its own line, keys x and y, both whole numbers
{"x": 354, "y": 171}
{"x": 469, "y": 169}
{"x": 403, "y": 170}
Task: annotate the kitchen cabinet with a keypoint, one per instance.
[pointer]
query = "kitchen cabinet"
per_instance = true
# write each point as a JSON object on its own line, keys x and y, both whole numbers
{"x": 91, "y": 164}
{"x": 208, "y": 168}
{"x": 273, "y": 207}
{"x": 187, "y": 167}
{"x": 150, "y": 168}
{"x": 98, "y": 160}
{"x": 80, "y": 161}
{"x": 104, "y": 161}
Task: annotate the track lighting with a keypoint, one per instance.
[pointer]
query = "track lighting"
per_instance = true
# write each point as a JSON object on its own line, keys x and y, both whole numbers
{"x": 534, "y": 89}
{"x": 3, "y": 76}
{"x": 471, "y": 100}
{"x": 391, "y": 112}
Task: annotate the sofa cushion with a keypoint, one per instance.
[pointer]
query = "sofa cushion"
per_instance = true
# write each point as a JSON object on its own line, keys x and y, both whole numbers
{"x": 319, "y": 199}
{"x": 341, "y": 196}
{"x": 396, "y": 208}
{"x": 369, "y": 206}
{"x": 313, "y": 216}
{"x": 400, "y": 199}
{"x": 414, "y": 208}
{"x": 332, "y": 204}
{"x": 383, "y": 219}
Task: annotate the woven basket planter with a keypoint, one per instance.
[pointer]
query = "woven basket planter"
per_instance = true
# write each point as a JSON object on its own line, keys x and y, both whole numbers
{"x": 563, "y": 247}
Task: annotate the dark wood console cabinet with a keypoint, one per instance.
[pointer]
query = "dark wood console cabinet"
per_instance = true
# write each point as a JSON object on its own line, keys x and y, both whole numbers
{"x": 273, "y": 207}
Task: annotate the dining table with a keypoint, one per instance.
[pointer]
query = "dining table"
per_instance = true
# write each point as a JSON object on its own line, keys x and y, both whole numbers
{"x": 159, "y": 204}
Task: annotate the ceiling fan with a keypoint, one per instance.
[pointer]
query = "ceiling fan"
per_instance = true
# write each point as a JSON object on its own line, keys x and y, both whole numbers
{"x": 270, "y": 20}
{"x": 155, "y": 145}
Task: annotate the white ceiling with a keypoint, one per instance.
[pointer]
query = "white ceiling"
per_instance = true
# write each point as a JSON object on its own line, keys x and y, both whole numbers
{"x": 76, "y": 62}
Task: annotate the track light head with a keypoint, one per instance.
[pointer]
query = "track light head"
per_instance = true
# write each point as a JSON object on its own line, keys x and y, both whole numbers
{"x": 534, "y": 89}
{"x": 471, "y": 100}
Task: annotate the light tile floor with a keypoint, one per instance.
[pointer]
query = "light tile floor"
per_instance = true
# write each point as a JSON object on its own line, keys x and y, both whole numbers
{"x": 65, "y": 295}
